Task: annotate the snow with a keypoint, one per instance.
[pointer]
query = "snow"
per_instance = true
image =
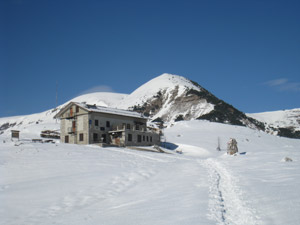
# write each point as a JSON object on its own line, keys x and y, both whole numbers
{"x": 102, "y": 109}
{"x": 73, "y": 184}
{"x": 256, "y": 188}
{"x": 31, "y": 125}
{"x": 105, "y": 99}
{"x": 163, "y": 82}
{"x": 140, "y": 95}
{"x": 46, "y": 183}
{"x": 282, "y": 118}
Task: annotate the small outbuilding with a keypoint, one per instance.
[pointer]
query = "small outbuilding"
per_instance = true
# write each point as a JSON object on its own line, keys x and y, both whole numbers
{"x": 15, "y": 134}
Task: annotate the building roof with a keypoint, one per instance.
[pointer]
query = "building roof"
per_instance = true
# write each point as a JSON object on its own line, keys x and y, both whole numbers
{"x": 102, "y": 109}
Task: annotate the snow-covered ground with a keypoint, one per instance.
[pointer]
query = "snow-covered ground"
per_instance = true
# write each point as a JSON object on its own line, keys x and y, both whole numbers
{"x": 71, "y": 184}
{"x": 258, "y": 187}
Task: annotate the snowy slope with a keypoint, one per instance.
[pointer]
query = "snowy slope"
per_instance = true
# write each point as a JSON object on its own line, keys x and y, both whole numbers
{"x": 29, "y": 125}
{"x": 71, "y": 184}
{"x": 170, "y": 98}
{"x": 166, "y": 97}
{"x": 256, "y": 188}
{"x": 163, "y": 82}
{"x": 32, "y": 125}
{"x": 285, "y": 118}
{"x": 106, "y": 99}
{"x": 171, "y": 103}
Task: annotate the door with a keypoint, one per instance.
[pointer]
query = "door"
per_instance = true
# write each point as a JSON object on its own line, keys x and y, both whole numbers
{"x": 67, "y": 139}
{"x": 103, "y": 137}
{"x": 73, "y": 126}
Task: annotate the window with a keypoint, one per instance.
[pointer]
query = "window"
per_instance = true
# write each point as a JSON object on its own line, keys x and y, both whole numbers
{"x": 77, "y": 109}
{"x": 67, "y": 139}
{"x": 107, "y": 124}
{"x": 80, "y": 137}
{"x": 143, "y": 137}
{"x": 139, "y": 138}
{"x": 95, "y": 137}
{"x": 128, "y": 126}
{"x": 151, "y": 139}
{"x": 129, "y": 137}
{"x": 147, "y": 138}
{"x": 137, "y": 127}
{"x": 96, "y": 123}
{"x": 102, "y": 128}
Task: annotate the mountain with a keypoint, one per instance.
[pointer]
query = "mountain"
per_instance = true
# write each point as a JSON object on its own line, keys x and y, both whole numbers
{"x": 195, "y": 183}
{"x": 167, "y": 99}
{"x": 283, "y": 123}
{"x": 170, "y": 98}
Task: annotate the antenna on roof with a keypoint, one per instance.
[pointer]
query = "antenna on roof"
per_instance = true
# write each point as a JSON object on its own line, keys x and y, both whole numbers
{"x": 56, "y": 94}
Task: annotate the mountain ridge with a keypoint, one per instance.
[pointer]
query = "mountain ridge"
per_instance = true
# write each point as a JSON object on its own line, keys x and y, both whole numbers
{"x": 166, "y": 99}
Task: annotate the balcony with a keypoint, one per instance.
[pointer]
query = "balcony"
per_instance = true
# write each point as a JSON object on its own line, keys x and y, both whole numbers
{"x": 124, "y": 127}
{"x": 70, "y": 115}
{"x": 118, "y": 128}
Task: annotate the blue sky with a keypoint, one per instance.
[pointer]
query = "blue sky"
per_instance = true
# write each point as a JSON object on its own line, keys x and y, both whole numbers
{"x": 245, "y": 52}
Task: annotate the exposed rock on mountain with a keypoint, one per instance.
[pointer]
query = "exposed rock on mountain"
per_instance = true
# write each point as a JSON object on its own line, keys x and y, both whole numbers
{"x": 283, "y": 123}
{"x": 173, "y": 98}
{"x": 169, "y": 98}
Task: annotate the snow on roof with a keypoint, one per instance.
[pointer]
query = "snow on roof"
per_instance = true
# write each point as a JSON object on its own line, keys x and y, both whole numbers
{"x": 102, "y": 109}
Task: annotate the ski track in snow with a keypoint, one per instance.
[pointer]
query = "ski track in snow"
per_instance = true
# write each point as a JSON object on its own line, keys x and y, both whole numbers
{"x": 227, "y": 205}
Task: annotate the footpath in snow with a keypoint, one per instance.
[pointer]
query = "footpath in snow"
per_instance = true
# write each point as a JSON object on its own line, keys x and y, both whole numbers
{"x": 228, "y": 203}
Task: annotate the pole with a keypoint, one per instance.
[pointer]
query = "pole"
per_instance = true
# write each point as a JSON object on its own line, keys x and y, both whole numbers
{"x": 219, "y": 148}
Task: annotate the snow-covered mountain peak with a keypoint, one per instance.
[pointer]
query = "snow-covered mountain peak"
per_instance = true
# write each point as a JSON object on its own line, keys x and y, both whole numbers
{"x": 165, "y": 83}
{"x": 167, "y": 80}
{"x": 168, "y": 97}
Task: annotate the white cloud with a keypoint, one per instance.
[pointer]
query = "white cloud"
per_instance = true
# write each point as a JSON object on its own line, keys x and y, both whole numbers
{"x": 277, "y": 82}
{"x": 99, "y": 88}
{"x": 284, "y": 84}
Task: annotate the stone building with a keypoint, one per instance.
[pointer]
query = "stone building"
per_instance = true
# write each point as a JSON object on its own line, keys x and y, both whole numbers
{"x": 82, "y": 123}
